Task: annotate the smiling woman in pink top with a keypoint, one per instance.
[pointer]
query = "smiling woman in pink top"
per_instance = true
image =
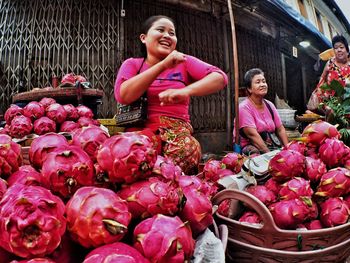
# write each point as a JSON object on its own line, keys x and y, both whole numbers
{"x": 258, "y": 116}
{"x": 170, "y": 78}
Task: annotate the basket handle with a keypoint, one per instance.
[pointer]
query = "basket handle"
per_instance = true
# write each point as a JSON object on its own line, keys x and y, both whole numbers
{"x": 268, "y": 226}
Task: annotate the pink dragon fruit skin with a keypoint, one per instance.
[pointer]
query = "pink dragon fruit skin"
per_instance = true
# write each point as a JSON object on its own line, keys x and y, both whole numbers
{"x": 34, "y": 260}
{"x": 233, "y": 161}
{"x": 97, "y": 216}
{"x": 262, "y": 193}
{"x": 332, "y": 152}
{"x": 13, "y": 111}
{"x": 32, "y": 221}
{"x": 72, "y": 112}
{"x": 205, "y": 187}
{"x": 314, "y": 224}
{"x": 250, "y": 217}
{"x": 20, "y": 126}
{"x": 56, "y": 112}
{"x": 334, "y": 212}
{"x": 296, "y": 188}
{"x": 166, "y": 169}
{"x": 69, "y": 126}
{"x": 273, "y": 186}
{"x": 127, "y": 157}
{"x": 287, "y": 214}
{"x": 3, "y": 187}
{"x": 152, "y": 196}
{"x": 44, "y": 125}
{"x": 334, "y": 183}
{"x": 89, "y": 139}
{"x": 315, "y": 133}
{"x": 214, "y": 170}
{"x": 34, "y": 110}
{"x": 197, "y": 210}
{"x": 27, "y": 175}
{"x": 69, "y": 168}
{"x": 10, "y": 156}
{"x": 314, "y": 169}
{"x": 296, "y": 146}
{"x": 116, "y": 252}
{"x": 45, "y": 102}
{"x": 85, "y": 121}
{"x": 286, "y": 164}
{"x": 84, "y": 111}
{"x": 42, "y": 145}
{"x": 164, "y": 239}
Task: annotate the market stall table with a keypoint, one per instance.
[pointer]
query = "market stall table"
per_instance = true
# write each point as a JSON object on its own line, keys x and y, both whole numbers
{"x": 90, "y": 97}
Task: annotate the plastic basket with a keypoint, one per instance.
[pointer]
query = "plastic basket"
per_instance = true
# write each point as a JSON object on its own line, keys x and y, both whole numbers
{"x": 287, "y": 117}
{"x": 111, "y": 125}
{"x": 269, "y": 243}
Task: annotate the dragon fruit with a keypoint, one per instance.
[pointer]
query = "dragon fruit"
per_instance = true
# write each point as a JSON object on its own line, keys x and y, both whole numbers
{"x": 164, "y": 239}
{"x": 31, "y": 221}
{"x": 314, "y": 169}
{"x": 296, "y": 146}
{"x": 332, "y": 152}
{"x": 27, "y": 175}
{"x": 197, "y": 210}
{"x": 56, "y": 112}
{"x": 89, "y": 139}
{"x": 3, "y": 187}
{"x": 273, "y": 186}
{"x": 233, "y": 161}
{"x": 69, "y": 168}
{"x": 85, "y": 121}
{"x": 315, "y": 133}
{"x": 250, "y": 217}
{"x": 262, "y": 193}
{"x": 287, "y": 214}
{"x": 205, "y": 187}
{"x": 334, "y": 212}
{"x": 314, "y": 224}
{"x": 214, "y": 170}
{"x": 101, "y": 177}
{"x": 84, "y": 111}
{"x": 97, "y": 216}
{"x": 127, "y": 157}
{"x": 44, "y": 125}
{"x": 34, "y": 110}
{"x": 312, "y": 152}
{"x": 150, "y": 197}
{"x": 334, "y": 183}
{"x": 69, "y": 78}
{"x": 42, "y": 145}
{"x": 34, "y": 260}
{"x": 13, "y": 111}
{"x": 10, "y": 156}
{"x": 69, "y": 126}
{"x": 20, "y": 126}
{"x": 116, "y": 252}
{"x": 166, "y": 169}
{"x": 296, "y": 188}
{"x": 72, "y": 112}
{"x": 286, "y": 164}
{"x": 45, "y": 102}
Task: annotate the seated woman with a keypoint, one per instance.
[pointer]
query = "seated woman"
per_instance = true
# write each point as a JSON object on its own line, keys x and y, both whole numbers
{"x": 170, "y": 78}
{"x": 258, "y": 118}
{"x": 338, "y": 68}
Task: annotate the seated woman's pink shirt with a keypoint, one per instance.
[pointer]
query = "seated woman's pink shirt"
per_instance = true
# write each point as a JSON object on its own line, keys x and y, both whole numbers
{"x": 261, "y": 120}
{"x": 183, "y": 74}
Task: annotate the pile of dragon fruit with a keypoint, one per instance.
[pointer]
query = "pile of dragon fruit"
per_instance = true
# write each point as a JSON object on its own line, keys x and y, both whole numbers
{"x": 46, "y": 116}
{"x": 309, "y": 186}
{"x": 100, "y": 198}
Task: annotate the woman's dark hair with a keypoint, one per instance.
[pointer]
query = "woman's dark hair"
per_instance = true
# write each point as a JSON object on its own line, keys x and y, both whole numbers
{"x": 249, "y": 75}
{"x": 147, "y": 25}
{"x": 341, "y": 39}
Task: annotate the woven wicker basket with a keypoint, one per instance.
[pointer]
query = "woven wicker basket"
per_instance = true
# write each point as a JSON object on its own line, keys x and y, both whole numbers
{"x": 269, "y": 243}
